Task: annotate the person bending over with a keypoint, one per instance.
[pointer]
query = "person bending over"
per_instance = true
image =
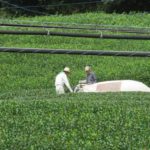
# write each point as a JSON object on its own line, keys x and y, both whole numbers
{"x": 61, "y": 81}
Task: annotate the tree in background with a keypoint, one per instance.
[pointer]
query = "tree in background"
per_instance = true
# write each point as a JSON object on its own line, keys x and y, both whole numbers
{"x": 120, "y": 6}
{"x": 30, "y": 7}
{"x": 40, "y": 7}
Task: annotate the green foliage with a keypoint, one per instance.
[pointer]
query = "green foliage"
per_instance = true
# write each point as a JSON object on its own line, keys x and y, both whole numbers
{"x": 93, "y": 121}
{"x": 33, "y": 117}
{"x": 36, "y": 71}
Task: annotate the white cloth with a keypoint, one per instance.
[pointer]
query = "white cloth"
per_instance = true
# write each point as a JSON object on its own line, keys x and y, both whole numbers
{"x": 60, "y": 90}
{"x": 60, "y": 81}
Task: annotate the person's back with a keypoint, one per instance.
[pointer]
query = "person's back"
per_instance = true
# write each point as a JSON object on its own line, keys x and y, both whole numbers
{"x": 59, "y": 80}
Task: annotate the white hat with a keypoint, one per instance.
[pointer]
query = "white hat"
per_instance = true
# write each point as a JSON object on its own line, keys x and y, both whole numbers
{"x": 87, "y": 68}
{"x": 67, "y": 69}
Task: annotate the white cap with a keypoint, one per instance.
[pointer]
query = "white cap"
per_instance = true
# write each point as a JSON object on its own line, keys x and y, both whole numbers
{"x": 87, "y": 68}
{"x": 67, "y": 69}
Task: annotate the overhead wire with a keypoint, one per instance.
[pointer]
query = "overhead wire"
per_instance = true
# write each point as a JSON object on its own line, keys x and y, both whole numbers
{"x": 62, "y": 4}
{"x": 20, "y": 7}
{"x": 26, "y": 8}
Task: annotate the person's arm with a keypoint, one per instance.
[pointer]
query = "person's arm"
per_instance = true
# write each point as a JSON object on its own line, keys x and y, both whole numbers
{"x": 67, "y": 84}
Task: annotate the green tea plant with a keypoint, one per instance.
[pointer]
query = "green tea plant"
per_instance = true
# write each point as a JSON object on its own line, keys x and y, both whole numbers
{"x": 32, "y": 116}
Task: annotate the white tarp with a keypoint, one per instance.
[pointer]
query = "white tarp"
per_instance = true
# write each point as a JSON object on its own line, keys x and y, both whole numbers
{"x": 115, "y": 86}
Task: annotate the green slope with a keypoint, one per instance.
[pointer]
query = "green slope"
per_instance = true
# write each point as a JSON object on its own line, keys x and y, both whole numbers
{"x": 93, "y": 121}
{"x": 33, "y": 117}
{"x": 28, "y": 71}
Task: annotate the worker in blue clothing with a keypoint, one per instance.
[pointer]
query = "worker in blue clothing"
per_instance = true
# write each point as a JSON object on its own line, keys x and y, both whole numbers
{"x": 91, "y": 77}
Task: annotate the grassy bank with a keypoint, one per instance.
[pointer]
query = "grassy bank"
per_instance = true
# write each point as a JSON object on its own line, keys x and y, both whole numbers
{"x": 29, "y": 71}
{"x": 93, "y": 121}
{"x": 33, "y": 117}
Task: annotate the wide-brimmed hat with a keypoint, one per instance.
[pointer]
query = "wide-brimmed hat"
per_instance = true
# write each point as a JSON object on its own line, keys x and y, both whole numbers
{"x": 67, "y": 69}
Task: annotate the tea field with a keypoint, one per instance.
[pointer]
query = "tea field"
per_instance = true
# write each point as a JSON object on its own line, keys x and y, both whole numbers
{"x": 32, "y": 116}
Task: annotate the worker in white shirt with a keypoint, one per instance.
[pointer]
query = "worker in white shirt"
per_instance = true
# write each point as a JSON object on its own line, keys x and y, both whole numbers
{"x": 61, "y": 80}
